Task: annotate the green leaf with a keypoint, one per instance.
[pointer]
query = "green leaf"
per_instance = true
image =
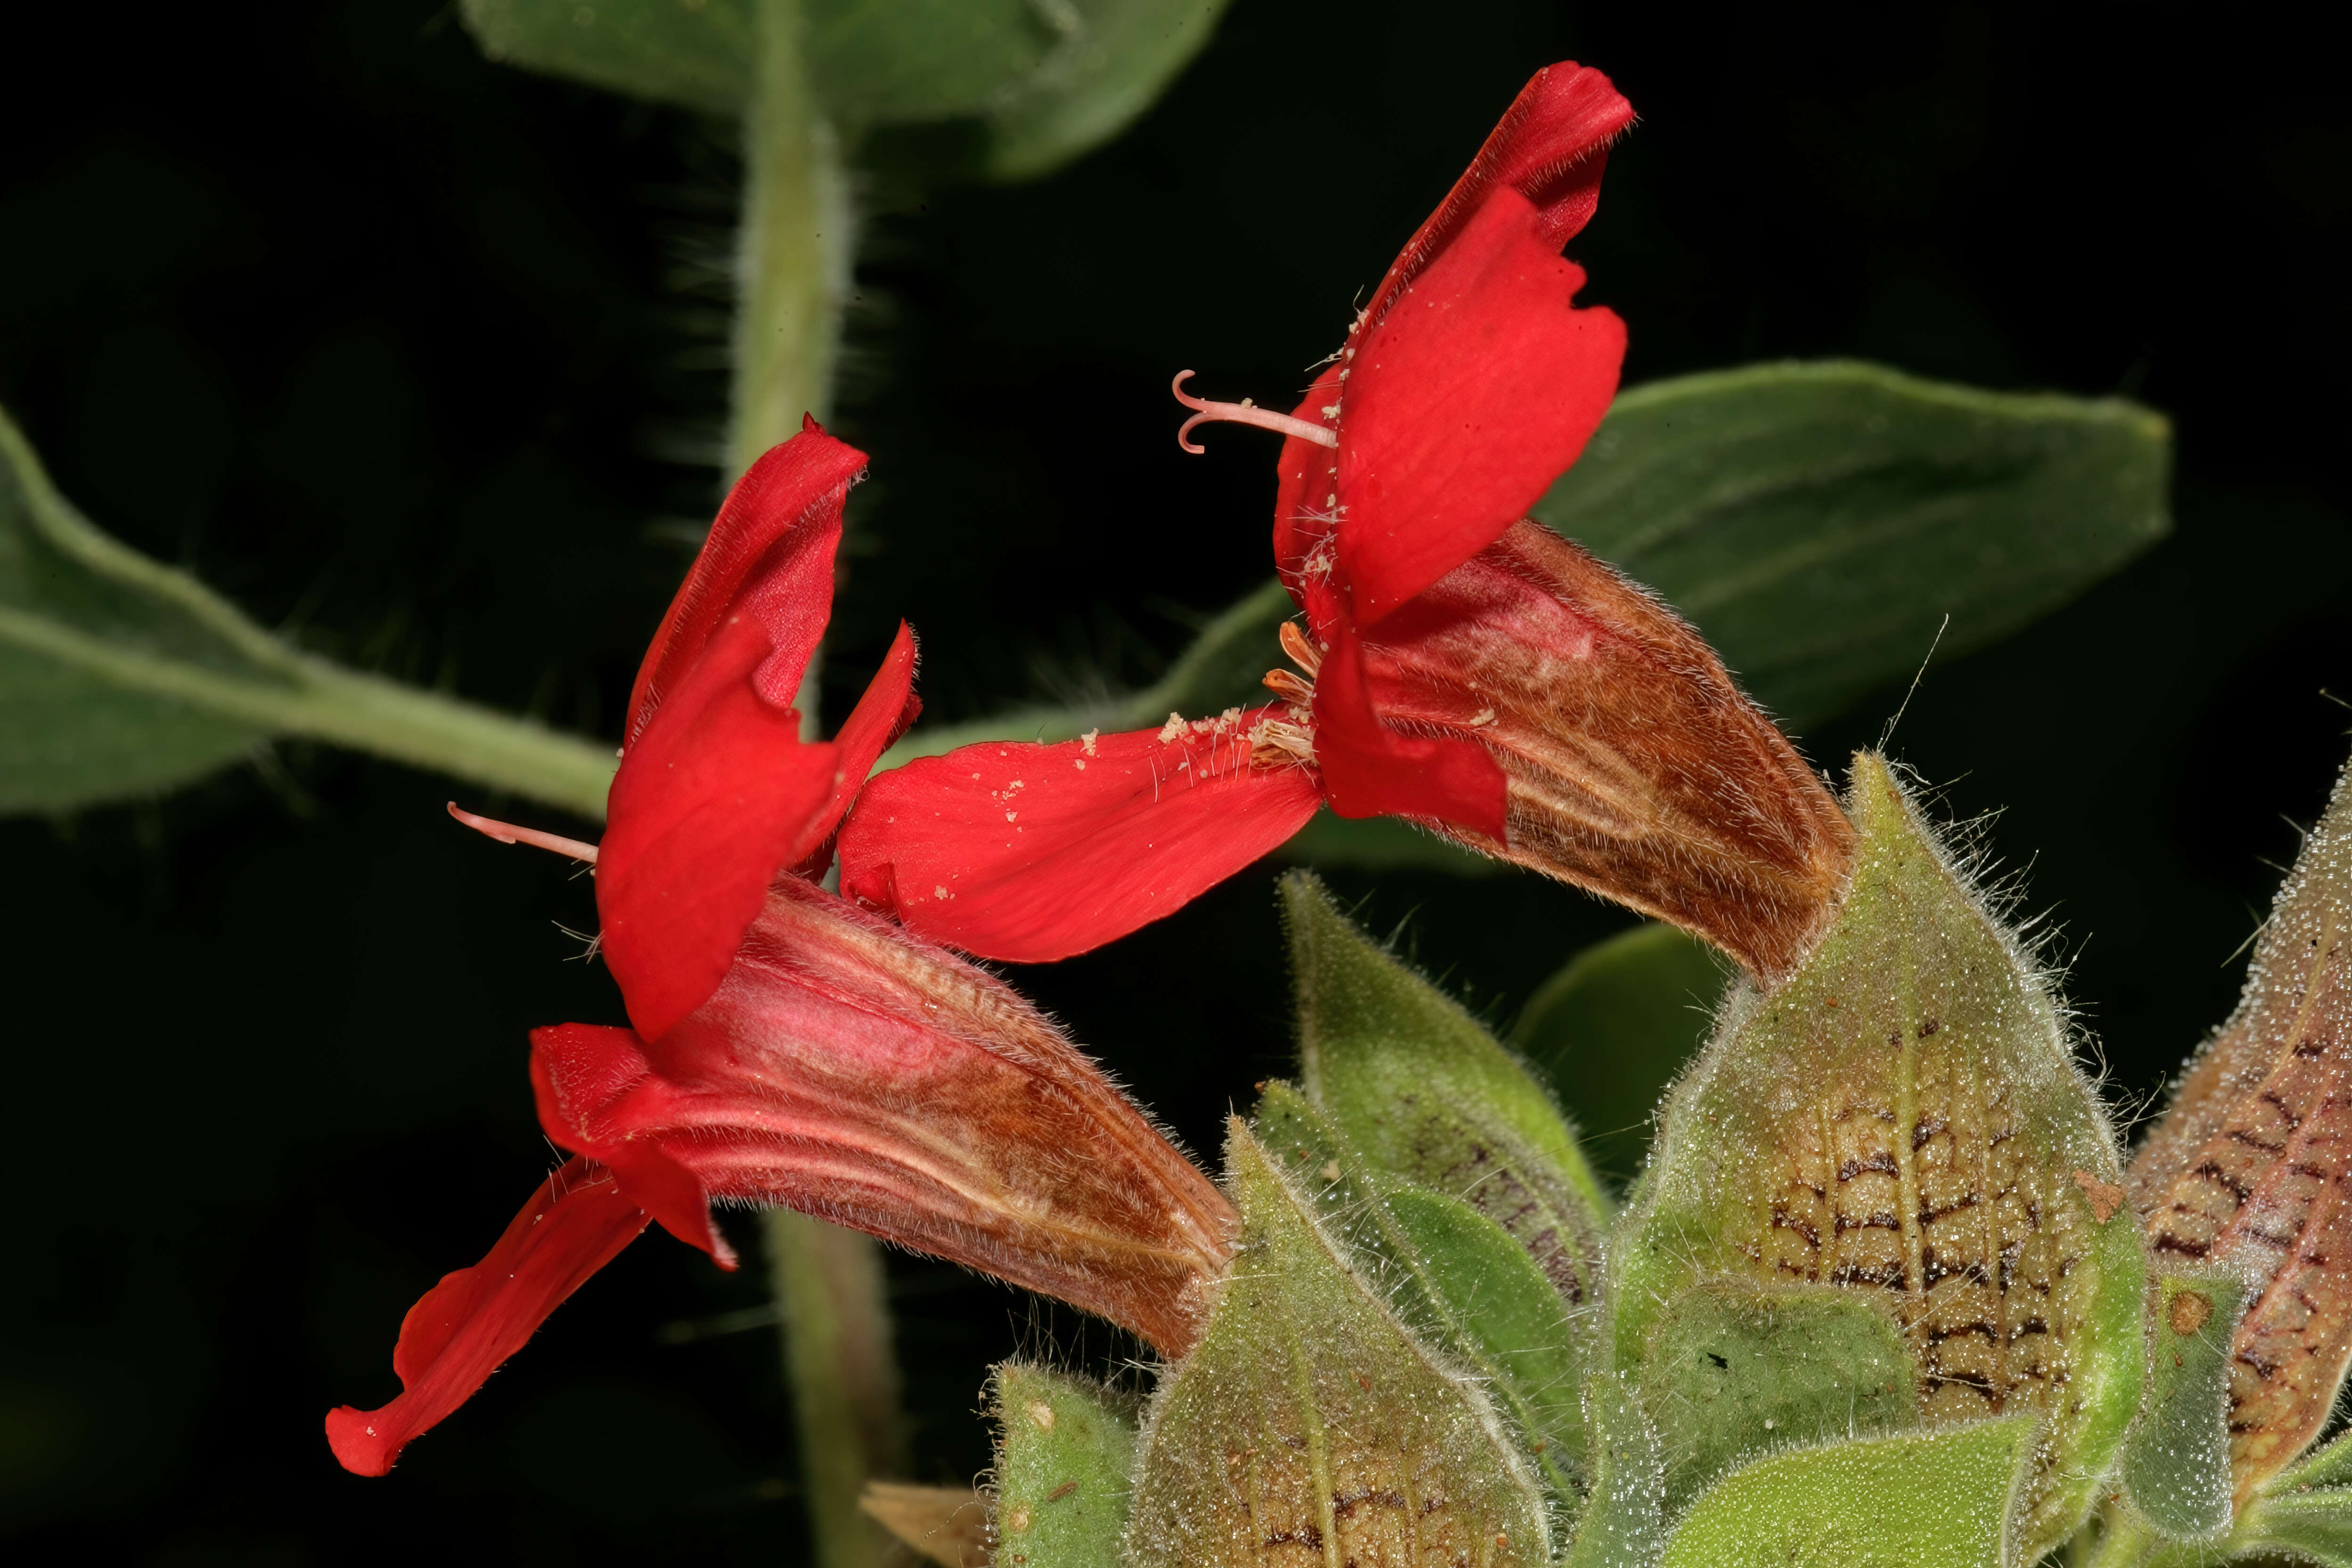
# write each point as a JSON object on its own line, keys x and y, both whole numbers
{"x": 121, "y": 677}
{"x": 697, "y": 53}
{"x": 1903, "y": 1116}
{"x": 1735, "y": 1370}
{"x": 1308, "y": 1415}
{"x": 1425, "y": 1093}
{"x": 1103, "y": 73}
{"x": 1929, "y": 1499}
{"x": 2314, "y": 1526}
{"x": 1624, "y": 1525}
{"x": 2176, "y": 1459}
{"x": 1612, "y": 1028}
{"x": 1065, "y": 1451}
{"x": 1449, "y": 1272}
{"x": 1047, "y": 79}
{"x": 1817, "y": 521}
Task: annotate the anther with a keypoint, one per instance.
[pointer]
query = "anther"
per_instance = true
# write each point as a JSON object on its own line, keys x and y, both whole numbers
{"x": 1208, "y": 413}
{"x": 1302, "y": 652}
{"x": 506, "y": 833}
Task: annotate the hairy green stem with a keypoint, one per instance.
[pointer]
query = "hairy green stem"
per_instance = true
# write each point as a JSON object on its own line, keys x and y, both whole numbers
{"x": 792, "y": 275}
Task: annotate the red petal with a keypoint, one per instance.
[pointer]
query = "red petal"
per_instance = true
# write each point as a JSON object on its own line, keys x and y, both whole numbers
{"x": 1306, "y": 485}
{"x": 887, "y": 709}
{"x": 1476, "y": 391}
{"x": 714, "y": 797}
{"x": 1033, "y": 853}
{"x": 579, "y": 1068}
{"x": 1551, "y": 147}
{"x": 452, "y": 1340}
{"x": 770, "y": 555}
{"x": 1370, "y": 769}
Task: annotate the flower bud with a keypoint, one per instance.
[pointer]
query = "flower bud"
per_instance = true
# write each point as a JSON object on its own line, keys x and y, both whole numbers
{"x": 2247, "y": 1170}
{"x": 1901, "y": 1118}
{"x": 1308, "y": 1426}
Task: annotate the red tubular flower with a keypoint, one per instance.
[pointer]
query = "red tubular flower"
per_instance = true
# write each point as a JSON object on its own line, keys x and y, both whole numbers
{"x": 790, "y": 1048}
{"x": 1460, "y": 667}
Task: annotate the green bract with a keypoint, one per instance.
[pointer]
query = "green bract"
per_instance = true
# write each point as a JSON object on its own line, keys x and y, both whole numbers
{"x": 1903, "y": 1118}
{"x": 1064, "y": 1449}
{"x": 1308, "y": 1415}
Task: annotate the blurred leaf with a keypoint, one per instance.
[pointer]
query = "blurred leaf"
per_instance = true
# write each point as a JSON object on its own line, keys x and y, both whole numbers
{"x": 1064, "y": 1450}
{"x": 697, "y": 53}
{"x": 121, "y": 677}
{"x": 1612, "y": 1028}
{"x": 1817, "y": 521}
{"x": 893, "y": 61}
{"x": 1100, "y": 76}
{"x": 1048, "y": 78}
{"x": 1931, "y": 1500}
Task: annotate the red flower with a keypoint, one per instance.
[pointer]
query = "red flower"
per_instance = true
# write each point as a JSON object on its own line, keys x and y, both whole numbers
{"x": 1460, "y": 667}
{"x": 790, "y": 1048}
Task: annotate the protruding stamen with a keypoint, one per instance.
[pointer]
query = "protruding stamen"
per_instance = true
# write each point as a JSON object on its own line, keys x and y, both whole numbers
{"x": 1302, "y": 652}
{"x": 1292, "y": 689}
{"x": 508, "y": 833}
{"x": 1208, "y": 413}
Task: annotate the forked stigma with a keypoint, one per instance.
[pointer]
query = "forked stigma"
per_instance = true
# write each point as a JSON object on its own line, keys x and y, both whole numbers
{"x": 1244, "y": 412}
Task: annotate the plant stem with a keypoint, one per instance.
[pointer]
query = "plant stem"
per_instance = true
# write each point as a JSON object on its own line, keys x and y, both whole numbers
{"x": 829, "y": 1289}
{"x": 791, "y": 274}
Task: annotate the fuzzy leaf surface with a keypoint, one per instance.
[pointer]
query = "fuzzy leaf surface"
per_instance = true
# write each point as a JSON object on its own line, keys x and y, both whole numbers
{"x": 1309, "y": 1427}
{"x": 2177, "y": 1460}
{"x": 1735, "y": 1370}
{"x": 1424, "y": 1093}
{"x": 1818, "y": 520}
{"x": 1624, "y": 1525}
{"x": 1616, "y": 1024}
{"x": 1450, "y": 1273}
{"x": 1064, "y": 1453}
{"x": 1903, "y": 1117}
{"x": 1926, "y": 1500}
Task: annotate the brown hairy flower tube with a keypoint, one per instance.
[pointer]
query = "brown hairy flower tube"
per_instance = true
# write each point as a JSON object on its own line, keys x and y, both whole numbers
{"x": 1636, "y": 769}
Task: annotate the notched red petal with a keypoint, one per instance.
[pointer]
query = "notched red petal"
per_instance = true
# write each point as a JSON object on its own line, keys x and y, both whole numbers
{"x": 1031, "y": 852}
{"x": 768, "y": 557}
{"x": 1551, "y": 147}
{"x": 1476, "y": 391}
{"x": 453, "y": 1339}
{"x": 573, "y": 1065}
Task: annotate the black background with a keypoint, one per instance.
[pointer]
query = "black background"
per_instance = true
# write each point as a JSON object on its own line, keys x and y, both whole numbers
{"x": 404, "y": 350}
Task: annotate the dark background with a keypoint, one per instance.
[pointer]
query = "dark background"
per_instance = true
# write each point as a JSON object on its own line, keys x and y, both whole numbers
{"x": 410, "y": 354}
